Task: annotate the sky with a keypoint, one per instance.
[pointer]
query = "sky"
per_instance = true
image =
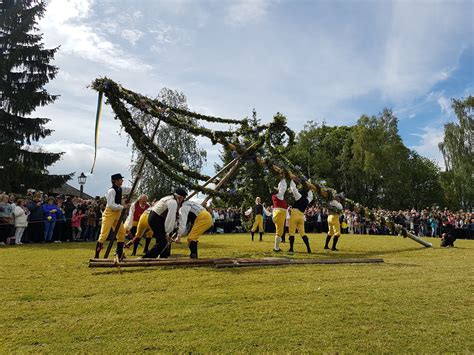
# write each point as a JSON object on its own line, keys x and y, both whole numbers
{"x": 330, "y": 61}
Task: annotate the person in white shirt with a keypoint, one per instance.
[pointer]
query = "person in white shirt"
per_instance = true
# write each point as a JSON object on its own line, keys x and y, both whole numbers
{"x": 162, "y": 219}
{"x": 111, "y": 217}
{"x": 303, "y": 198}
{"x": 21, "y": 220}
{"x": 201, "y": 220}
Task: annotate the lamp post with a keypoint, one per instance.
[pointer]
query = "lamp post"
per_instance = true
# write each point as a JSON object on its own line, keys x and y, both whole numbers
{"x": 82, "y": 180}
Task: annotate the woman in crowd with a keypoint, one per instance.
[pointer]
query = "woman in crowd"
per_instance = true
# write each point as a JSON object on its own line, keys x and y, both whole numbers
{"x": 6, "y": 219}
{"x": 21, "y": 220}
{"x": 90, "y": 224}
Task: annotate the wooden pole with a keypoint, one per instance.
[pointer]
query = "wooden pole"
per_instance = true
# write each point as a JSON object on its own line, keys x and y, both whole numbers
{"x": 226, "y": 262}
{"x": 123, "y": 213}
{"x": 222, "y": 170}
{"x": 224, "y": 179}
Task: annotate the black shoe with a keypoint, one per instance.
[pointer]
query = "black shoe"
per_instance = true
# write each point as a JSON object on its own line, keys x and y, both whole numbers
{"x": 261, "y": 236}
{"x": 119, "y": 251}
{"x": 147, "y": 244}
{"x": 328, "y": 238}
{"x": 193, "y": 247}
{"x": 334, "y": 242}
{"x": 292, "y": 243}
{"x": 306, "y": 242}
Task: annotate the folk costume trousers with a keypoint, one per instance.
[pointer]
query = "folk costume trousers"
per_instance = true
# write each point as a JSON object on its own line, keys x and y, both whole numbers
{"x": 258, "y": 224}
{"x": 202, "y": 223}
{"x": 296, "y": 222}
{"x": 334, "y": 225}
{"x": 279, "y": 218}
{"x": 109, "y": 222}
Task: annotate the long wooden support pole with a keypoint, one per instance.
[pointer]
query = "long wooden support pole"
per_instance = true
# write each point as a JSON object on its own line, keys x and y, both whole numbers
{"x": 226, "y": 262}
{"x": 129, "y": 198}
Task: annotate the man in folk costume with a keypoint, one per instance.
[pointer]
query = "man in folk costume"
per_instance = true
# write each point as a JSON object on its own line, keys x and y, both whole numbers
{"x": 302, "y": 199}
{"x": 143, "y": 230}
{"x": 136, "y": 210}
{"x": 192, "y": 213}
{"x": 279, "y": 212}
{"x": 335, "y": 208}
{"x": 162, "y": 219}
{"x": 111, "y": 216}
{"x": 258, "y": 211}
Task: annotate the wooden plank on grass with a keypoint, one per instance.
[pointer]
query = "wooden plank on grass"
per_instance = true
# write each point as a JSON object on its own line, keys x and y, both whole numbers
{"x": 225, "y": 262}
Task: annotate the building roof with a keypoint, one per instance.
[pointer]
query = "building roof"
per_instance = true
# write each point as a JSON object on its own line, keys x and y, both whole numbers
{"x": 69, "y": 190}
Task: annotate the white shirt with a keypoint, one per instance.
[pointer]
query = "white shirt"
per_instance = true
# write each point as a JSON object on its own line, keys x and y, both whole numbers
{"x": 167, "y": 203}
{"x": 282, "y": 186}
{"x": 110, "y": 196}
{"x": 186, "y": 208}
{"x": 296, "y": 193}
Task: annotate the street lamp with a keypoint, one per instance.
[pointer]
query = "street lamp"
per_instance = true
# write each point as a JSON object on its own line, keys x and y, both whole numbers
{"x": 82, "y": 180}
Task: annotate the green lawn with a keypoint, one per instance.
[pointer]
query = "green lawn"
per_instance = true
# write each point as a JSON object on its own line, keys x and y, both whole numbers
{"x": 419, "y": 300}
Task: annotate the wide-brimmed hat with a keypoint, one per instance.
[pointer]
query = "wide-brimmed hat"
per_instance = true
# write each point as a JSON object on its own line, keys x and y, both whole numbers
{"x": 117, "y": 176}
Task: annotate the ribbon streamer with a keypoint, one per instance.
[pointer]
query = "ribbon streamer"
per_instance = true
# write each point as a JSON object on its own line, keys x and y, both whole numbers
{"x": 97, "y": 121}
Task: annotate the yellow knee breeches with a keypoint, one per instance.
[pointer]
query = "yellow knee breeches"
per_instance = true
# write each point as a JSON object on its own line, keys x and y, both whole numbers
{"x": 334, "y": 225}
{"x": 258, "y": 224}
{"x": 296, "y": 222}
{"x": 202, "y": 223}
{"x": 279, "y": 219}
{"x": 143, "y": 228}
{"x": 109, "y": 221}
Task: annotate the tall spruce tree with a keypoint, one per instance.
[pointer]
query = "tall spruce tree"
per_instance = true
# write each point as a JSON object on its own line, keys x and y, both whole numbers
{"x": 24, "y": 71}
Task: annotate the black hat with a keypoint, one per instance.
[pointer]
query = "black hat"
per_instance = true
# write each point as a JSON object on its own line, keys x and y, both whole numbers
{"x": 181, "y": 192}
{"x": 116, "y": 177}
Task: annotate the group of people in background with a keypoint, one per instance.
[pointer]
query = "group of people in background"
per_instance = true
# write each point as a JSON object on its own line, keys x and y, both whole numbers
{"x": 39, "y": 218}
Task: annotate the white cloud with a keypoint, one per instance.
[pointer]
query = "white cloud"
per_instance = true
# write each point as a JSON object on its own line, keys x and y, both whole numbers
{"x": 244, "y": 12}
{"x": 428, "y": 146}
{"x": 445, "y": 104}
{"x": 421, "y": 44}
{"x": 132, "y": 36}
{"x": 78, "y": 157}
{"x": 65, "y": 23}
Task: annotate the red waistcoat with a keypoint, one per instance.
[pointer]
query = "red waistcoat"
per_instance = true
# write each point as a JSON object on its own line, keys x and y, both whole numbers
{"x": 139, "y": 210}
{"x": 277, "y": 203}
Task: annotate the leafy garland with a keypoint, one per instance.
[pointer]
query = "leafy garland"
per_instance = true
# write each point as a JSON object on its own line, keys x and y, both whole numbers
{"x": 271, "y": 138}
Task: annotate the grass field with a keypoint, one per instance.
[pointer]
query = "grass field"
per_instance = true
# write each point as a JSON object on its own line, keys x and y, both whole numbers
{"x": 419, "y": 300}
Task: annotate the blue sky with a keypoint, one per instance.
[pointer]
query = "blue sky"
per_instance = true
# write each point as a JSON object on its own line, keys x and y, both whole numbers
{"x": 311, "y": 60}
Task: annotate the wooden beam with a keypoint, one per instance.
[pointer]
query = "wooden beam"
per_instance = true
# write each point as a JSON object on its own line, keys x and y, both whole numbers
{"x": 225, "y": 262}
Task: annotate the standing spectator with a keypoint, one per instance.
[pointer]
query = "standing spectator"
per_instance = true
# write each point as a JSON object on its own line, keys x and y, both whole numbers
{"x": 21, "y": 220}
{"x": 90, "y": 224}
{"x": 6, "y": 219}
{"x": 58, "y": 234}
{"x": 68, "y": 209}
{"x": 434, "y": 227}
{"x": 35, "y": 226}
{"x": 76, "y": 219}
{"x": 49, "y": 211}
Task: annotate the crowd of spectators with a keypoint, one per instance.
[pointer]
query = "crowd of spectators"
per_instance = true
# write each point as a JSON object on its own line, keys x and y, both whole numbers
{"x": 429, "y": 222}
{"x": 38, "y": 218}
{"x": 432, "y": 222}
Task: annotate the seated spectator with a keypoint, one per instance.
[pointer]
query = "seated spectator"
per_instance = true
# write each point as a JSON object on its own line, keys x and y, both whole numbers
{"x": 447, "y": 234}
